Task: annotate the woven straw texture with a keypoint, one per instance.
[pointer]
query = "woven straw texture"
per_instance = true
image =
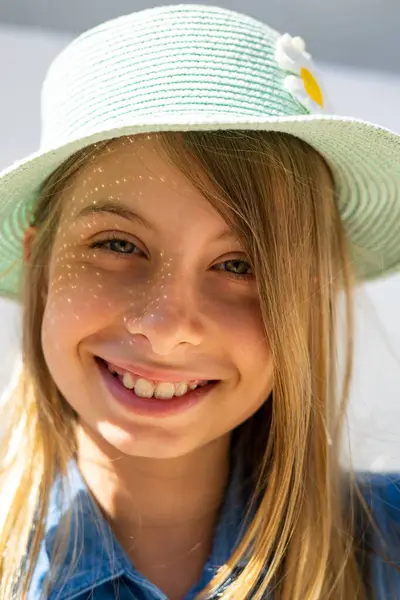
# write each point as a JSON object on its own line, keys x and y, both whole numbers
{"x": 194, "y": 67}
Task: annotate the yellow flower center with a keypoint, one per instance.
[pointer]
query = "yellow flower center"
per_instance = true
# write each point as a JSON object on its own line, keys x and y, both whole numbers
{"x": 311, "y": 86}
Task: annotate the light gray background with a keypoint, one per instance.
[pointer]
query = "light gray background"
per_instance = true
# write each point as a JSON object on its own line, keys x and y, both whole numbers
{"x": 359, "y": 45}
{"x": 362, "y": 33}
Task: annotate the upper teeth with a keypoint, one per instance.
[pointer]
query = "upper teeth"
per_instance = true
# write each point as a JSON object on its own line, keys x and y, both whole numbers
{"x": 147, "y": 389}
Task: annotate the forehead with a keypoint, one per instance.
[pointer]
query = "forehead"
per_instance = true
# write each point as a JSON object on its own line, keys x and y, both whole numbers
{"x": 136, "y": 170}
{"x": 138, "y": 159}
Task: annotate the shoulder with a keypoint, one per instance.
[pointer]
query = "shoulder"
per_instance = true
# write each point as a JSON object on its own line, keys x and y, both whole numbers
{"x": 379, "y": 544}
{"x": 382, "y": 482}
{"x": 382, "y": 493}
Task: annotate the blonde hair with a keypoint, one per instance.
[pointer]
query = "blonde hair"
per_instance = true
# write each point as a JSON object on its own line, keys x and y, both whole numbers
{"x": 277, "y": 194}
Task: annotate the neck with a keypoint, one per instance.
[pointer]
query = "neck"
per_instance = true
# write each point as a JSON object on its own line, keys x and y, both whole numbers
{"x": 163, "y": 511}
{"x": 190, "y": 486}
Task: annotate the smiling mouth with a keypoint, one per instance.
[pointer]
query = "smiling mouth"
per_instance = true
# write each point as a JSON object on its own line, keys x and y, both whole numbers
{"x": 145, "y": 388}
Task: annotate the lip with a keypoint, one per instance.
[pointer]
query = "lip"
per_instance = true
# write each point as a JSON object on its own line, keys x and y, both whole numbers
{"x": 152, "y": 407}
{"x": 156, "y": 374}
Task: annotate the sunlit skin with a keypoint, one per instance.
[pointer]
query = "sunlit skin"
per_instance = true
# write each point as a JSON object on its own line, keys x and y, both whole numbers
{"x": 161, "y": 296}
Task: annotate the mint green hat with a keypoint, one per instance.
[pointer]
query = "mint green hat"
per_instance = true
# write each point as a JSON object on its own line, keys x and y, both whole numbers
{"x": 193, "y": 67}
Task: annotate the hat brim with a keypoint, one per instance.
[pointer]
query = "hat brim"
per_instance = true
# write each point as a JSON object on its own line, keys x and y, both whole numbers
{"x": 364, "y": 159}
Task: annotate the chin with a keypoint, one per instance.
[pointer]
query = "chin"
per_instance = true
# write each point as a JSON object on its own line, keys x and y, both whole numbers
{"x": 147, "y": 442}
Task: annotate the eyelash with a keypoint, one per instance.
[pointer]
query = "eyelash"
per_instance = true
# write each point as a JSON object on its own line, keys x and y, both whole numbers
{"x": 101, "y": 245}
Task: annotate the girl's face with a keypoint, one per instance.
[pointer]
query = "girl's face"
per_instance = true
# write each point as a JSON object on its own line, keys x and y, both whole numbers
{"x": 146, "y": 275}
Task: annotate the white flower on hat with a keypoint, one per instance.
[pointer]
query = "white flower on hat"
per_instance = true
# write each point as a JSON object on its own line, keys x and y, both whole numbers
{"x": 291, "y": 56}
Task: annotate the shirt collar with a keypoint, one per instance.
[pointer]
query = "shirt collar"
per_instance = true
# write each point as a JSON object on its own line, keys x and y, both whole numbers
{"x": 93, "y": 555}
{"x": 230, "y": 527}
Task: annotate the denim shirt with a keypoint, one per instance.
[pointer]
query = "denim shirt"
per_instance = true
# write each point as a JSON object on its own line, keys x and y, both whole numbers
{"x": 382, "y": 494}
{"x": 103, "y": 571}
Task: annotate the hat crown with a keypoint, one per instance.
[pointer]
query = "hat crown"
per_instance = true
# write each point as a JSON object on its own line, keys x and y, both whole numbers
{"x": 171, "y": 60}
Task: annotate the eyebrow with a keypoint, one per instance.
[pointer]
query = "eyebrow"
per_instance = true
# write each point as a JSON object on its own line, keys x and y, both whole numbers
{"x": 116, "y": 208}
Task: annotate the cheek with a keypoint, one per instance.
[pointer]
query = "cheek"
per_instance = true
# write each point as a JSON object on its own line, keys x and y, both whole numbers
{"x": 244, "y": 333}
{"x": 77, "y": 303}
{"x": 79, "y": 293}
{"x": 240, "y": 320}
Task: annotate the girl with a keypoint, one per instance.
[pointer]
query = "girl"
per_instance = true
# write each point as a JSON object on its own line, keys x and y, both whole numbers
{"x": 181, "y": 244}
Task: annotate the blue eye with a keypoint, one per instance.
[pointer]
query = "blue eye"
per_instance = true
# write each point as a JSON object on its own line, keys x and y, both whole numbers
{"x": 116, "y": 245}
{"x": 241, "y": 268}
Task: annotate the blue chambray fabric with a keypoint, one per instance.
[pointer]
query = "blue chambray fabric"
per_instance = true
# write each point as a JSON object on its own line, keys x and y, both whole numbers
{"x": 103, "y": 571}
{"x": 382, "y": 493}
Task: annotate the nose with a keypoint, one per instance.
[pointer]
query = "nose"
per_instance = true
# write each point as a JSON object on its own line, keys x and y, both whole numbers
{"x": 167, "y": 317}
